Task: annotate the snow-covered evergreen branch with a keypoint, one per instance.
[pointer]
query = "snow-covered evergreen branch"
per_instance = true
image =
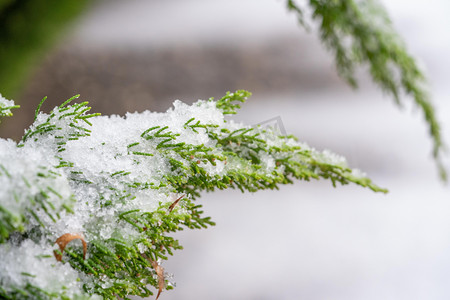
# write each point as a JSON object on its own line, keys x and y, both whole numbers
{"x": 88, "y": 202}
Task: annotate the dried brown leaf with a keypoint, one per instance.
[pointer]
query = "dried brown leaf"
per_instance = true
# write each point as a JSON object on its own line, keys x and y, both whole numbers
{"x": 159, "y": 271}
{"x": 172, "y": 206}
{"x": 66, "y": 238}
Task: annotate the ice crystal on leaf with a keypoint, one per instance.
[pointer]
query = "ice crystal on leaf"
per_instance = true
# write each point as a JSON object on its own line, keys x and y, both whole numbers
{"x": 109, "y": 190}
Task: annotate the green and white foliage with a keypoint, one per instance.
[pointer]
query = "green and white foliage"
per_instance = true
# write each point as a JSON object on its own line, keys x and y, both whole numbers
{"x": 6, "y": 106}
{"x": 360, "y": 33}
{"x": 121, "y": 185}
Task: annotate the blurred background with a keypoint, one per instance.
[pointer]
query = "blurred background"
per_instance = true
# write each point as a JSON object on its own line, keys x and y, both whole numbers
{"x": 308, "y": 240}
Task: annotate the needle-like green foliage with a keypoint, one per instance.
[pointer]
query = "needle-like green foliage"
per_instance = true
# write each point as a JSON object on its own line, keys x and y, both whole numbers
{"x": 123, "y": 185}
{"x": 6, "y": 106}
{"x": 359, "y": 32}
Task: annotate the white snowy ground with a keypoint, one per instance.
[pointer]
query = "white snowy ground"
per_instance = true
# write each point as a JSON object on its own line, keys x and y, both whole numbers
{"x": 310, "y": 240}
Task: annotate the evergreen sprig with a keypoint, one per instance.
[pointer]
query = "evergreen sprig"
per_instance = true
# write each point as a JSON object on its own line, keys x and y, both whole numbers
{"x": 123, "y": 185}
{"x": 6, "y": 106}
{"x": 360, "y": 33}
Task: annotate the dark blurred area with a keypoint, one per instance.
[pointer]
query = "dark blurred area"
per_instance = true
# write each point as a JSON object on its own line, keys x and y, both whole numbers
{"x": 28, "y": 29}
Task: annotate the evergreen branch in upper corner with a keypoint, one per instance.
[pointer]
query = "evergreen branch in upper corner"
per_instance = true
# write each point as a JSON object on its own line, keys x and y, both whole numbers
{"x": 123, "y": 185}
{"x": 361, "y": 33}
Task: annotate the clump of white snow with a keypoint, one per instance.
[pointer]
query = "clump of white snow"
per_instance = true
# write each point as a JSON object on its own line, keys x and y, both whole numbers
{"x": 33, "y": 263}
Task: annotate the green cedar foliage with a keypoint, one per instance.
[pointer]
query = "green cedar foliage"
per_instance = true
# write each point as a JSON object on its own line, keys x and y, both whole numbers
{"x": 6, "y": 106}
{"x": 139, "y": 190}
{"x": 359, "y": 32}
